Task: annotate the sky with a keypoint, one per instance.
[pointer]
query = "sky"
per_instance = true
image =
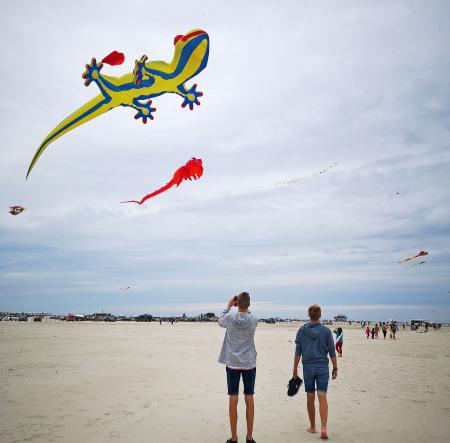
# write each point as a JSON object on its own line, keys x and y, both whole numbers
{"x": 291, "y": 87}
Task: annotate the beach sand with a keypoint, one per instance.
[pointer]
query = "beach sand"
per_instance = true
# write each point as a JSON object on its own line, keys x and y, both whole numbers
{"x": 145, "y": 382}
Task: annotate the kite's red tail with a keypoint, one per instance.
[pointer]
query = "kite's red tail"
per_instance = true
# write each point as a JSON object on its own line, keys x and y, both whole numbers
{"x": 153, "y": 194}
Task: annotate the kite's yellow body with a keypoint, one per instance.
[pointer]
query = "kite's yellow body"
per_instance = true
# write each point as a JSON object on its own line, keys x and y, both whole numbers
{"x": 148, "y": 80}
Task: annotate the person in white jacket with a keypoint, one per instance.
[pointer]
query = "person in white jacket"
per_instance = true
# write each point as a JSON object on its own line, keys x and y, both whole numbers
{"x": 238, "y": 354}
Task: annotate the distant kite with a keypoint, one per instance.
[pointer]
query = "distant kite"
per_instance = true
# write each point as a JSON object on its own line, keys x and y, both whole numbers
{"x": 125, "y": 289}
{"x": 396, "y": 193}
{"x": 16, "y": 210}
{"x": 417, "y": 264}
{"x": 193, "y": 169}
{"x": 420, "y": 254}
{"x": 299, "y": 179}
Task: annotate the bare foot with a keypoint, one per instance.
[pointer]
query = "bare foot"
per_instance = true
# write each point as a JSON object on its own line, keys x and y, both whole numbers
{"x": 324, "y": 435}
{"x": 312, "y": 430}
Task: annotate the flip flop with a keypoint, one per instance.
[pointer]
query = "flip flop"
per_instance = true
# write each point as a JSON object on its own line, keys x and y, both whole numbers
{"x": 294, "y": 386}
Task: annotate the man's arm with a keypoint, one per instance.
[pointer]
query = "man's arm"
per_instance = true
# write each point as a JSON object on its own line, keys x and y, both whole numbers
{"x": 330, "y": 345}
{"x": 296, "y": 363}
{"x": 332, "y": 352}
{"x": 298, "y": 353}
{"x": 335, "y": 368}
{"x": 225, "y": 317}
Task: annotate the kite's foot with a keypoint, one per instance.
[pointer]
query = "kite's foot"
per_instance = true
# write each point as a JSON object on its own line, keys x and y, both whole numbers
{"x": 191, "y": 98}
{"x": 145, "y": 111}
{"x": 139, "y": 65}
{"x": 92, "y": 72}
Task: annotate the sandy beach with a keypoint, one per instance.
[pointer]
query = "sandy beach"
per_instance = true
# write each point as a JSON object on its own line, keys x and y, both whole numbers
{"x": 145, "y": 382}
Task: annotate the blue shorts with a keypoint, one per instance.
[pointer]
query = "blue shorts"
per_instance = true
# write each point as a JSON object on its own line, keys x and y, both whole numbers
{"x": 316, "y": 376}
{"x": 248, "y": 377}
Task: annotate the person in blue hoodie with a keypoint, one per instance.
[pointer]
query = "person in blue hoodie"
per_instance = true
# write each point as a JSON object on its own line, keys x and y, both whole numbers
{"x": 314, "y": 342}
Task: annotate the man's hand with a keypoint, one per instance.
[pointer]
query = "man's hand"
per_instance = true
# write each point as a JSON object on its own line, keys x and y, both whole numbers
{"x": 295, "y": 373}
{"x": 334, "y": 374}
{"x": 231, "y": 303}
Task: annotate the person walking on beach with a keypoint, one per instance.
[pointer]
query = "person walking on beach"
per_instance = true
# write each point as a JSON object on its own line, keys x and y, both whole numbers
{"x": 368, "y": 332}
{"x": 314, "y": 342}
{"x": 339, "y": 340}
{"x": 384, "y": 330}
{"x": 377, "y": 329}
{"x": 238, "y": 353}
{"x": 393, "y": 330}
{"x": 373, "y": 333}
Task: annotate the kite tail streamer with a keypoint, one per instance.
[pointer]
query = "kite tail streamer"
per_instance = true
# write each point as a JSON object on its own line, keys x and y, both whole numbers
{"x": 93, "y": 108}
{"x": 153, "y": 194}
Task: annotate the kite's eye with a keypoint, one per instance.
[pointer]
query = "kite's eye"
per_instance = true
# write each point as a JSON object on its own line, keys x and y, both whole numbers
{"x": 175, "y": 40}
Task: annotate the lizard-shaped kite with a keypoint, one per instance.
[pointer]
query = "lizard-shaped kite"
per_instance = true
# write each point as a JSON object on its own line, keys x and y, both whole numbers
{"x": 193, "y": 169}
{"x": 148, "y": 80}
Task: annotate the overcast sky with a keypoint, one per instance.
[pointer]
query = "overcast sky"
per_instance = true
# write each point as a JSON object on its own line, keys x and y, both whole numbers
{"x": 290, "y": 88}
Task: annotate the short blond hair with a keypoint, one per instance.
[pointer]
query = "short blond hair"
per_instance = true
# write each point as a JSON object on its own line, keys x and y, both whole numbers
{"x": 314, "y": 312}
{"x": 243, "y": 300}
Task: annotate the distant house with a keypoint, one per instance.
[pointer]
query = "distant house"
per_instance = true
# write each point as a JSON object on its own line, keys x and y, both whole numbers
{"x": 340, "y": 318}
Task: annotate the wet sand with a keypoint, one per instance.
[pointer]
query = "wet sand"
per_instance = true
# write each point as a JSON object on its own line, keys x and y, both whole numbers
{"x": 142, "y": 382}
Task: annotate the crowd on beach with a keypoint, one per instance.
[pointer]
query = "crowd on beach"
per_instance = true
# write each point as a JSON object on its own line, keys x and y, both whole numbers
{"x": 384, "y": 327}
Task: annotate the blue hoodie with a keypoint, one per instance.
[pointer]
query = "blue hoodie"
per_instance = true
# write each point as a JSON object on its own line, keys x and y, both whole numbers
{"x": 314, "y": 341}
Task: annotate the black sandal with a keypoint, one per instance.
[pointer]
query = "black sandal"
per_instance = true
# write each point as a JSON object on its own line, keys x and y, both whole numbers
{"x": 294, "y": 386}
{"x": 231, "y": 441}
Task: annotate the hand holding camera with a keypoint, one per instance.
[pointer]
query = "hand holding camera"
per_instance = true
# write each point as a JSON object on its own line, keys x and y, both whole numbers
{"x": 232, "y": 302}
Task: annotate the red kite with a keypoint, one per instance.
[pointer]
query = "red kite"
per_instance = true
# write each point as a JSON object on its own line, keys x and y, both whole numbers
{"x": 193, "y": 169}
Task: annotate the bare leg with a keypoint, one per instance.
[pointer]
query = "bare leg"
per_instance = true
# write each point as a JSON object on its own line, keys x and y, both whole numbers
{"x": 250, "y": 415}
{"x": 323, "y": 409}
{"x": 232, "y": 409}
{"x": 310, "y": 397}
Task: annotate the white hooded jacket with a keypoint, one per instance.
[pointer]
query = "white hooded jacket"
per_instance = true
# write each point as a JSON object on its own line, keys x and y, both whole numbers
{"x": 238, "y": 348}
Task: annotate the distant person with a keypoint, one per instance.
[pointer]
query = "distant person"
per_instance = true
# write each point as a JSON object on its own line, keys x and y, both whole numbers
{"x": 368, "y": 332}
{"x": 373, "y": 333}
{"x": 403, "y": 325}
{"x": 238, "y": 353}
{"x": 339, "y": 340}
{"x": 393, "y": 330}
{"x": 377, "y": 329}
{"x": 314, "y": 343}
{"x": 384, "y": 331}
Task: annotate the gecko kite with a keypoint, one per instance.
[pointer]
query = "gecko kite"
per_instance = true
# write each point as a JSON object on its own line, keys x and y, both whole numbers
{"x": 148, "y": 80}
{"x": 16, "y": 210}
{"x": 420, "y": 254}
{"x": 193, "y": 169}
